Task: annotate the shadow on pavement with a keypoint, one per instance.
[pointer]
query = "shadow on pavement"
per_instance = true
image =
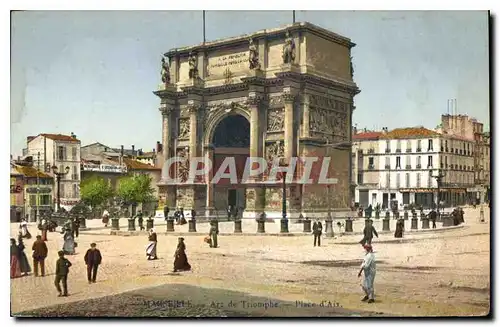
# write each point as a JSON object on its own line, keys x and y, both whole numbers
{"x": 180, "y": 300}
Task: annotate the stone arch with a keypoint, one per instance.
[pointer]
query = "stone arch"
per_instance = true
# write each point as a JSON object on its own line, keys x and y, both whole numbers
{"x": 214, "y": 121}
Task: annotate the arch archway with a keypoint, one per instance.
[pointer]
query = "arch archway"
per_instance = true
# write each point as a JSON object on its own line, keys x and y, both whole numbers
{"x": 230, "y": 140}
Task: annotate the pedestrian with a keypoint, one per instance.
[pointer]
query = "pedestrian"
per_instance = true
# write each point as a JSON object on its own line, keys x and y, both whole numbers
{"x": 368, "y": 211}
{"x": 40, "y": 252}
{"x": 182, "y": 220}
{"x": 317, "y": 231}
{"x": 368, "y": 232}
{"x": 180, "y": 258}
{"x": 23, "y": 227}
{"x": 400, "y": 225}
{"x": 105, "y": 218}
{"x": 73, "y": 226}
{"x": 44, "y": 226}
{"x": 24, "y": 264}
{"x": 62, "y": 271}
{"x": 433, "y": 217}
{"x": 214, "y": 231}
{"x": 368, "y": 267}
{"x": 15, "y": 270}
{"x": 92, "y": 259}
{"x": 140, "y": 219}
{"x": 69, "y": 241}
{"x": 151, "y": 248}
{"x": 77, "y": 226}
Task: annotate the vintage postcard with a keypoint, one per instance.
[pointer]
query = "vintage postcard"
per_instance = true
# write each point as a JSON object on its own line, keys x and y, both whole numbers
{"x": 250, "y": 164}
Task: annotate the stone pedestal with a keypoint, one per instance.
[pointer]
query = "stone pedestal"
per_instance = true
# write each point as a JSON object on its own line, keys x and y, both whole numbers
{"x": 414, "y": 223}
{"x": 425, "y": 223}
{"x": 348, "y": 225}
{"x": 405, "y": 215}
{"x": 149, "y": 224}
{"x": 83, "y": 222}
{"x": 170, "y": 225}
{"x": 329, "y": 228}
{"x": 386, "y": 224}
{"x": 237, "y": 226}
{"x": 447, "y": 221}
{"x": 115, "y": 224}
{"x": 307, "y": 225}
{"x": 131, "y": 225}
{"x": 387, "y": 214}
{"x": 192, "y": 225}
{"x": 284, "y": 225}
{"x": 261, "y": 223}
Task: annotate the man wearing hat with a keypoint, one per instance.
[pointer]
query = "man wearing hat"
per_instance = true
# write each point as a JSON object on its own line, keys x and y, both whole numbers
{"x": 92, "y": 259}
{"x": 368, "y": 267}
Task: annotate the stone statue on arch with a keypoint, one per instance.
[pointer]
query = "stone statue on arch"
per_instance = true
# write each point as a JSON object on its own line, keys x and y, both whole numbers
{"x": 165, "y": 71}
{"x": 288, "y": 49}
{"x": 253, "y": 57}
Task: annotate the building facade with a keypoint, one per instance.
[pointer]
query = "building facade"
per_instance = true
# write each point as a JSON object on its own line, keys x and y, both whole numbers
{"x": 277, "y": 93}
{"x": 62, "y": 151}
{"x": 366, "y": 167}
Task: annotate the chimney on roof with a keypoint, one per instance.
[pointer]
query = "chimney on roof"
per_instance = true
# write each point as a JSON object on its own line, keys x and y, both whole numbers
{"x": 159, "y": 147}
{"x": 354, "y": 130}
{"x": 133, "y": 150}
{"x": 121, "y": 154}
{"x": 73, "y": 135}
{"x": 384, "y": 130}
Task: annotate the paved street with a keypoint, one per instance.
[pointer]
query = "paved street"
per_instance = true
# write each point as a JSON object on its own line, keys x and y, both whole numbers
{"x": 445, "y": 273}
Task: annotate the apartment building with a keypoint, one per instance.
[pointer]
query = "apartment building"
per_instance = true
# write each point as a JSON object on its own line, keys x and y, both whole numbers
{"x": 61, "y": 151}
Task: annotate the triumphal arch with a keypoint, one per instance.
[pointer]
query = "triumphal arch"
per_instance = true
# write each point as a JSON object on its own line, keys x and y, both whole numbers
{"x": 284, "y": 92}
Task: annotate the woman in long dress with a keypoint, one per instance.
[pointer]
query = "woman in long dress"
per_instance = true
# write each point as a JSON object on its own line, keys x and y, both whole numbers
{"x": 181, "y": 261}
{"x": 24, "y": 229}
{"x": 15, "y": 270}
{"x": 399, "y": 229}
{"x": 105, "y": 218}
{"x": 151, "y": 248}
{"x": 24, "y": 265}
{"x": 69, "y": 242}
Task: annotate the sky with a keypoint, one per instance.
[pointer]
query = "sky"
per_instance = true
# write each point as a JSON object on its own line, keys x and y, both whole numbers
{"x": 93, "y": 72}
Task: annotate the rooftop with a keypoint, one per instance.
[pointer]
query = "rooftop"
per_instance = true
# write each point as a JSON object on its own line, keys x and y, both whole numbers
{"x": 367, "y": 136}
{"x": 31, "y": 172}
{"x": 409, "y": 133}
{"x": 136, "y": 165}
{"x": 60, "y": 137}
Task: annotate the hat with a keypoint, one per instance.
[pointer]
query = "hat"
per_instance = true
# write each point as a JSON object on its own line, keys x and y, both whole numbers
{"x": 93, "y": 244}
{"x": 181, "y": 238}
{"x": 60, "y": 253}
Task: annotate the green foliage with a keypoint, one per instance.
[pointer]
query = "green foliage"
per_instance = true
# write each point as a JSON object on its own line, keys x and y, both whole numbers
{"x": 136, "y": 189}
{"x": 95, "y": 191}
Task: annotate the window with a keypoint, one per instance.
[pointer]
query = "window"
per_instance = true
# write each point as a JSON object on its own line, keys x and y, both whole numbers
{"x": 407, "y": 179}
{"x": 445, "y": 162}
{"x": 60, "y": 152}
{"x": 388, "y": 180}
{"x": 387, "y": 146}
{"x": 430, "y": 148}
{"x": 370, "y": 163}
{"x": 45, "y": 199}
{"x": 75, "y": 191}
{"x": 398, "y": 146}
{"x": 387, "y": 162}
{"x": 398, "y": 180}
{"x": 429, "y": 161}
{"x": 442, "y": 145}
{"x": 419, "y": 145}
{"x": 73, "y": 153}
{"x": 408, "y": 146}
{"x": 74, "y": 175}
{"x": 429, "y": 180}
{"x": 446, "y": 145}
{"x": 32, "y": 198}
{"x": 418, "y": 180}
{"x": 398, "y": 162}
{"x": 407, "y": 162}
{"x": 419, "y": 162}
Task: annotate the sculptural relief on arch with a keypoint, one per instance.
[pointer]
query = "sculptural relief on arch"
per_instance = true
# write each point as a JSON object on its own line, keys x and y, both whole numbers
{"x": 268, "y": 94}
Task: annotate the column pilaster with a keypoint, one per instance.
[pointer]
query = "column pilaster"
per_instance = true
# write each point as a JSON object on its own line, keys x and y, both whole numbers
{"x": 289, "y": 100}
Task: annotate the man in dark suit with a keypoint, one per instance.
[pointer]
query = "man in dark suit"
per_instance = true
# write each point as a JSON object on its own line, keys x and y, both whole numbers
{"x": 92, "y": 259}
{"x": 317, "y": 231}
{"x": 165, "y": 212}
{"x": 368, "y": 233}
{"x": 433, "y": 217}
{"x": 40, "y": 252}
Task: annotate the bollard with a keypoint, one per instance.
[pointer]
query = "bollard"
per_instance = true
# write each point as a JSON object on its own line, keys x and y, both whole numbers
{"x": 425, "y": 223}
{"x": 261, "y": 223}
{"x": 447, "y": 221}
{"x": 405, "y": 215}
{"x": 284, "y": 225}
{"x": 414, "y": 216}
{"x": 131, "y": 224}
{"x": 149, "y": 224}
{"x": 386, "y": 224}
{"x": 192, "y": 225}
{"x": 170, "y": 225}
{"x": 115, "y": 224}
{"x": 307, "y": 225}
{"x": 329, "y": 227}
{"x": 237, "y": 226}
{"x": 414, "y": 222}
{"x": 387, "y": 214}
{"x": 83, "y": 222}
{"x": 348, "y": 225}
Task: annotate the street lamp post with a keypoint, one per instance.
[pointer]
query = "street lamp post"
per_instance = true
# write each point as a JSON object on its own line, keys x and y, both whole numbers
{"x": 284, "y": 219}
{"x": 58, "y": 180}
{"x": 439, "y": 179}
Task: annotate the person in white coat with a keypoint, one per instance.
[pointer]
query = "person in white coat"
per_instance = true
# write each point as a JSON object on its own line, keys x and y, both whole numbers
{"x": 368, "y": 268}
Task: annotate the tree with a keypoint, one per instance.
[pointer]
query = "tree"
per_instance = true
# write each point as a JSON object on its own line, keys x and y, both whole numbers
{"x": 95, "y": 191}
{"x": 136, "y": 189}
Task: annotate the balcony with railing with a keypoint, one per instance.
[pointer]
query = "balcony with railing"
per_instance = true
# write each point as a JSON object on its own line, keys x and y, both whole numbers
{"x": 371, "y": 150}
{"x": 419, "y": 166}
{"x": 387, "y": 150}
{"x": 371, "y": 167}
{"x": 419, "y": 149}
{"x": 387, "y": 166}
{"x": 408, "y": 166}
{"x": 398, "y": 150}
{"x": 408, "y": 150}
